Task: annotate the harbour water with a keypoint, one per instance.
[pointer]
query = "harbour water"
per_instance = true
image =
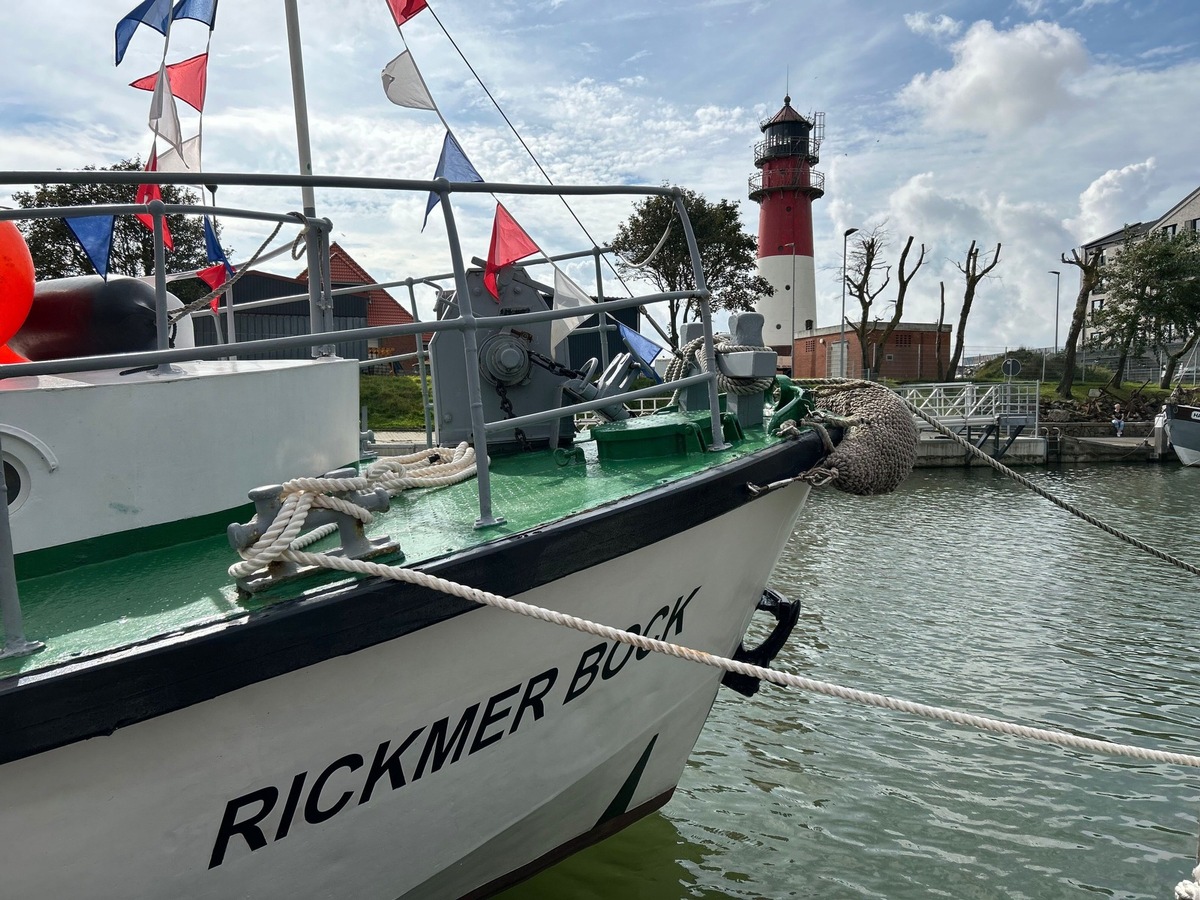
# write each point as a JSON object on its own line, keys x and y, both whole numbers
{"x": 962, "y": 589}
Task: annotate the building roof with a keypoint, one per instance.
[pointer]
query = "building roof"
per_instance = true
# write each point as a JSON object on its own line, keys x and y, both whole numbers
{"x": 1174, "y": 210}
{"x": 382, "y": 307}
{"x": 787, "y": 114}
{"x": 1136, "y": 229}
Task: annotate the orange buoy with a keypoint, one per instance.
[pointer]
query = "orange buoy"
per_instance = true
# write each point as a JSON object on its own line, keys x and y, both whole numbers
{"x": 16, "y": 281}
{"x": 9, "y": 355}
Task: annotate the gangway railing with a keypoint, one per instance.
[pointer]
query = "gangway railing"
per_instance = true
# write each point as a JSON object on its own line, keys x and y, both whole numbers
{"x": 961, "y": 405}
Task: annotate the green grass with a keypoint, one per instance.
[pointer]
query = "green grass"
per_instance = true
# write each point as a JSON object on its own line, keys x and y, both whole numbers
{"x": 393, "y": 402}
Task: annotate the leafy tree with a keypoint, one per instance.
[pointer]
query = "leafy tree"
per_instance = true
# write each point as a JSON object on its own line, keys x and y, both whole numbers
{"x": 727, "y": 253}
{"x": 56, "y": 253}
{"x": 867, "y": 259}
{"x": 1089, "y": 273}
{"x": 1152, "y": 297}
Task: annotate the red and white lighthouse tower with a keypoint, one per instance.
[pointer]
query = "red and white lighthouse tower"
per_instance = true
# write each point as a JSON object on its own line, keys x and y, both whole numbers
{"x": 785, "y": 187}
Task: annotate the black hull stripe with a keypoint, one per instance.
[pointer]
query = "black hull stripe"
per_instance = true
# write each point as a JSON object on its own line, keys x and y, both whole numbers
{"x": 47, "y": 710}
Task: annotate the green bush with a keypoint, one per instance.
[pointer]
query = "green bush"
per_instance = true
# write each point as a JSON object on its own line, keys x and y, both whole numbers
{"x": 393, "y": 402}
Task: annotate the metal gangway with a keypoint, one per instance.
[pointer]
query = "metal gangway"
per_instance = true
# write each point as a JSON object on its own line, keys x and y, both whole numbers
{"x": 1007, "y": 407}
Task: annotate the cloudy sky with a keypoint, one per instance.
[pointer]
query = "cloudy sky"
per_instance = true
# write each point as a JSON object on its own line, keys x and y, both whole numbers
{"x": 1037, "y": 124}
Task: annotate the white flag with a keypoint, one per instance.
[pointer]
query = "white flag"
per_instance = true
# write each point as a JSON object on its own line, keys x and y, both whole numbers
{"x": 403, "y": 83}
{"x": 185, "y": 159}
{"x": 567, "y": 294}
{"x": 164, "y": 116}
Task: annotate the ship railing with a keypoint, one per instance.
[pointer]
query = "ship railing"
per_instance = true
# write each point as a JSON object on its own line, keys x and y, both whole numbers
{"x": 963, "y": 404}
{"x": 321, "y": 321}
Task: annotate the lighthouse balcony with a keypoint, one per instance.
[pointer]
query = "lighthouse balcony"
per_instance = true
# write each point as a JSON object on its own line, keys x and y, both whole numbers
{"x": 786, "y": 147}
{"x": 802, "y": 178}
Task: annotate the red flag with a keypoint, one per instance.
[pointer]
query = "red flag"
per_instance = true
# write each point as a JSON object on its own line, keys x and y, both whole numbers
{"x": 403, "y": 10}
{"x": 188, "y": 80}
{"x": 146, "y": 193}
{"x": 509, "y": 243}
{"x": 214, "y": 277}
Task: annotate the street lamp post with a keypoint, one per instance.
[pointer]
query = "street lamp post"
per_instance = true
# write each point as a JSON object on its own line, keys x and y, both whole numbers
{"x": 792, "y": 339}
{"x": 845, "y": 237}
{"x": 1057, "y": 281}
{"x": 1057, "y": 275}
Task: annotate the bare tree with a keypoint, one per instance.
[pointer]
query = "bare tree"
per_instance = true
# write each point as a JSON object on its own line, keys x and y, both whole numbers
{"x": 973, "y": 275}
{"x": 866, "y": 261}
{"x": 903, "y": 280}
{"x": 1089, "y": 277}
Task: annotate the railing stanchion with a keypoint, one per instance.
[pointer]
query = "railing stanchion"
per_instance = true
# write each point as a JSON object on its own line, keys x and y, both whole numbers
{"x": 471, "y": 344}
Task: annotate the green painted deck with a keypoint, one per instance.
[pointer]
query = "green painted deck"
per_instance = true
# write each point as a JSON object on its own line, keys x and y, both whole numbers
{"x": 96, "y": 609}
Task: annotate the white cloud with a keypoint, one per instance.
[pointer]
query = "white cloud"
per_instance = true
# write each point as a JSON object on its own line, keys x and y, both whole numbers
{"x": 1001, "y": 81}
{"x": 1114, "y": 199}
{"x": 926, "y": 24}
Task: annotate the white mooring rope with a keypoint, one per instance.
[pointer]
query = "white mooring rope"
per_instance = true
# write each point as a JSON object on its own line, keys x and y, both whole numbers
{"x": 784, "y": 679}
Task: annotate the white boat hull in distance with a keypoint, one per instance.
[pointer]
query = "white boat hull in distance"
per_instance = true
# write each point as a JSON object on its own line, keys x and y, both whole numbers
{"x": 1183, "y": 431}
{"x": 441, "y": 763}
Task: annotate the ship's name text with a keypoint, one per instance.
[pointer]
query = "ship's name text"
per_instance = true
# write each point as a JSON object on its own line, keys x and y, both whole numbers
{"x": 269, "y": 813}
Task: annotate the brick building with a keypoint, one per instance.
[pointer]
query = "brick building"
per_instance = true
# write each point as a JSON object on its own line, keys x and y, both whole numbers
{"x": 911, "y": 353}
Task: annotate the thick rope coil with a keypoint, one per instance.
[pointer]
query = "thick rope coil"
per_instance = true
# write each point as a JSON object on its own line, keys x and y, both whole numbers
{"x": 1189, "y": 890}
{"x": 879, "y": 448}
{"x": 428, "y": 468}
{"x": 693, "y": 352}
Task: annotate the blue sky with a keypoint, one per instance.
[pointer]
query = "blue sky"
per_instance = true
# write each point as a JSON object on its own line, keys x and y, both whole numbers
{"x": 1035, "y": 123}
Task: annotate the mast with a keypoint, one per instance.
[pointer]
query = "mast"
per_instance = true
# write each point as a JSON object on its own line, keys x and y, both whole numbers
{"x": 320, "y": 304}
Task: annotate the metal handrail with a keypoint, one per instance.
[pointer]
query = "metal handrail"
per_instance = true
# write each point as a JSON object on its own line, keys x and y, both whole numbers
{"x": 320, "y": 298}
{"x": 966, "y": 403}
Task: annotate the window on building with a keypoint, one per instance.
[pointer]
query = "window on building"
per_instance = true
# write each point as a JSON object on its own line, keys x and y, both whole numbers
{"x": 810, "y": 346}
{"x": 904, "y": 340}
{"x": 1169, "y": 230}
{"x": 1194, "y": 225}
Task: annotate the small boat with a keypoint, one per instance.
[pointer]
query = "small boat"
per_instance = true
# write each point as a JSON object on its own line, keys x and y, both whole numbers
{"x": 1181, "y": 421}
{"x": 245, "y": 656}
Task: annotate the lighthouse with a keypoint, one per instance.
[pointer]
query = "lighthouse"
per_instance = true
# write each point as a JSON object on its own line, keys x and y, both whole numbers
{"x": 784, "y": 188}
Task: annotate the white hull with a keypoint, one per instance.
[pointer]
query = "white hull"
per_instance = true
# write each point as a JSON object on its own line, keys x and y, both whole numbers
{"x": 1183, "y": 431}
{"x": 285, "y": 763}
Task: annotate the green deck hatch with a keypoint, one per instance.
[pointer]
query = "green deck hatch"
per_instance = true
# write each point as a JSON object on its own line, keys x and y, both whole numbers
{"x": 665, "y": 434}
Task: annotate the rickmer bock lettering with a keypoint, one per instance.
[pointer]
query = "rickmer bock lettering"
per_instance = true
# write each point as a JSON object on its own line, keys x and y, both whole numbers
{"x": 258, "y": 818}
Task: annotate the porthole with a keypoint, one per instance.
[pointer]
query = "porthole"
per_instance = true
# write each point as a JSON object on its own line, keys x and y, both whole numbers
{"x": 16, "y": 480}
{"x": 12, "y": 481}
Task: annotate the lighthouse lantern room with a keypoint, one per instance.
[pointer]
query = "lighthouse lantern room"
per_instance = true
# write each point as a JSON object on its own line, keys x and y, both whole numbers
{"x": 785, "y": 187}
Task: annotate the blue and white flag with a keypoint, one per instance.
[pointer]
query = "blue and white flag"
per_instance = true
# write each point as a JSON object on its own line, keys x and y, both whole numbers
{"x": 453, "y": 165}
{"x": 95, "y": 236}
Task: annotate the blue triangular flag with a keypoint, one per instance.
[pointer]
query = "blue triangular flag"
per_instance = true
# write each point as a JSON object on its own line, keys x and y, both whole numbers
{"x": 212, "y": 247}
{"x": 643, "y": 349}
{"x": 154, "y": 13}
{"x": 201, "y": 10}
{"x": 453, "y": 165}
{"x": 95, "y": 235}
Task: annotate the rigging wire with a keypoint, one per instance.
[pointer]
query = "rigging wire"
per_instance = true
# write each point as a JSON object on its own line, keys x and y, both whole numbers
{"x": 541, "y": 169}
